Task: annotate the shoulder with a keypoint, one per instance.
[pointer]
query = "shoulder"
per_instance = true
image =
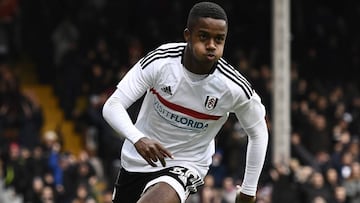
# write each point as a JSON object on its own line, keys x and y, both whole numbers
{"x": 236, "y": 81}
{"x": 173, "y": 45}
{"x": 165, "y": 51}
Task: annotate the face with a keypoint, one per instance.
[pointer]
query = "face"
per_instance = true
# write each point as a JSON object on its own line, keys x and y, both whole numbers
{"x": 206, "y": 40}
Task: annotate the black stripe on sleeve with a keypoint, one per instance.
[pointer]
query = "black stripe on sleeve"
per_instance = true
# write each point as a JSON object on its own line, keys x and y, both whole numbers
{"x": 161, "y": 53}
{"x": 236, "y": 72}
{"x": 236, "y": 77}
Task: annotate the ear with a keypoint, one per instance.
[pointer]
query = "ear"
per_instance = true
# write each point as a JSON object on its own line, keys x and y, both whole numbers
{"x": 187, "y": 34}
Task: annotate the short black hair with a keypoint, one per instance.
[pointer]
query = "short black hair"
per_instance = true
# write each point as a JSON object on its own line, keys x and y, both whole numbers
{"x": 205, "y": 10}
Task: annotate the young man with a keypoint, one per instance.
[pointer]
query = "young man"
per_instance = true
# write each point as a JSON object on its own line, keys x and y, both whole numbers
{"x": 190, "y": 91}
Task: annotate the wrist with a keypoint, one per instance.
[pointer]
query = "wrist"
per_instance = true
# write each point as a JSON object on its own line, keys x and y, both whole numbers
{"x": 246, "y": 201}
{"x": 243, "y": 198}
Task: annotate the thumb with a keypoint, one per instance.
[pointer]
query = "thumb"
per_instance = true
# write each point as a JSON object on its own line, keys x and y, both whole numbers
{"x": 237, "y": 199}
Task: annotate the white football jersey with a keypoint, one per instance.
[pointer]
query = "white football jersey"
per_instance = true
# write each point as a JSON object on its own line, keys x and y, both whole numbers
{"x": 184, "y": 114}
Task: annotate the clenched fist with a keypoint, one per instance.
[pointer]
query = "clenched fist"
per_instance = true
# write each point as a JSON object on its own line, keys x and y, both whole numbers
{"x": 243, "y": 198}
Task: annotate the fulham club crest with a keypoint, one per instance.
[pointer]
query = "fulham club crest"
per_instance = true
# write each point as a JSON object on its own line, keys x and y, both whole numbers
{"x": 210, "y": 102}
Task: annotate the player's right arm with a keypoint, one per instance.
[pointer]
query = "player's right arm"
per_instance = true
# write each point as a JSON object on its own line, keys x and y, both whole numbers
{"x": 134, "y": 84}
{"x": 129, "y": 89}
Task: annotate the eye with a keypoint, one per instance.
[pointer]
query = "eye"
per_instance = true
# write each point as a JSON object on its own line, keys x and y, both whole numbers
{"x": 203, "y": 36}
{"x": 219, "y": 39}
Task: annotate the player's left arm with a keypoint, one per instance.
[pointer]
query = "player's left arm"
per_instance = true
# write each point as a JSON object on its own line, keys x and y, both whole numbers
{"x": 251, "y": 115}
{"x": 243, "y": 198}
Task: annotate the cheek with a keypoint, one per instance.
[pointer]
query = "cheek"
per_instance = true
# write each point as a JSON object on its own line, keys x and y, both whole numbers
{"x": 220, "y": 51}
{"x": 198, "y": 48}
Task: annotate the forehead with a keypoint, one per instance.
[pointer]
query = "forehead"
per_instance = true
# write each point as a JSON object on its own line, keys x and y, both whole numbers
{"x": 210, "y": 25}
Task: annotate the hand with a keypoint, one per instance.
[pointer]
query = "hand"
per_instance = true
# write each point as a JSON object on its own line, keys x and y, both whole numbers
{"x": 152, "y": 151}
{"x": 243, "y": 198}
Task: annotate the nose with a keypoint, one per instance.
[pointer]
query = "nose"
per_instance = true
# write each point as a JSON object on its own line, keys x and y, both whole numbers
{"x": 211, "y": 45}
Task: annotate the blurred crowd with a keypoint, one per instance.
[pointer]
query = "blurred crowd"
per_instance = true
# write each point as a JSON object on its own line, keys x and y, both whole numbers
{"x": 83, "y": 48}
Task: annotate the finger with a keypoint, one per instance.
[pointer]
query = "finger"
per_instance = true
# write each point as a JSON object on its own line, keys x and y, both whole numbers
{"x": 162, "y": 159}
{"x": 237, "y": 199}
{"x": 147, "y": 157}
{"x": 151, "y": 154}
{"x": 159, "y": 156}
{"x": 154, "y": 159}
{"x": 165, "y": 152}
{"x": 150, "y": 162}
{"x": 163, "y": 162}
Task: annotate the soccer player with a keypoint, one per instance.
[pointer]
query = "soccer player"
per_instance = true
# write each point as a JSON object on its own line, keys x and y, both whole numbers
{"x": 190, "y": 91}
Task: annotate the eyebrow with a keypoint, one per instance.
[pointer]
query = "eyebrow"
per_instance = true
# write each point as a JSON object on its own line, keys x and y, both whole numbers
{"x": 207, "y": 32}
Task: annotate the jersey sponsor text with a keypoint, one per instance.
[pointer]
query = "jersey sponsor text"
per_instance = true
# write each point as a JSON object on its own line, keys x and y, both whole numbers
{"x": 178, "y": 120}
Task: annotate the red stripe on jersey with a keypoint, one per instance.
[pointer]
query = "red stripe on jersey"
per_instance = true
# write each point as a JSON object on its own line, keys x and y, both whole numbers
{"x": 184, "y": 110}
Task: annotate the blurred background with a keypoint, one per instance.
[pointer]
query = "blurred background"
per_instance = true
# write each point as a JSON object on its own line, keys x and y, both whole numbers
{"x": 61, "y": 59}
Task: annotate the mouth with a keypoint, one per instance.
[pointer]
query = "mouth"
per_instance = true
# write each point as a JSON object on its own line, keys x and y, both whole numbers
{"x": 211, "y": 56}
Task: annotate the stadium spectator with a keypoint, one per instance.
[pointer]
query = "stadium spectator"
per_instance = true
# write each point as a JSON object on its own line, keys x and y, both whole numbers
{"x": 315, "y": 189}
{"x": 352, "y": 183}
